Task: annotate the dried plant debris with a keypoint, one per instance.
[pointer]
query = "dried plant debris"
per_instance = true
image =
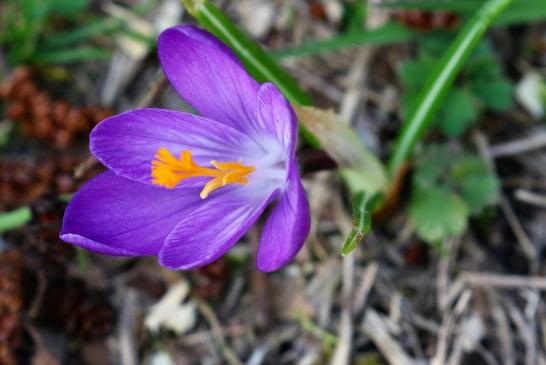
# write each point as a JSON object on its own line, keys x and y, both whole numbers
{"x": 11, "y": 305}
{"x": 56, "y": 122}
{"x": 74, "y": 308}
{"x": 35, "y": 284}
{"x": 24, "y": 179}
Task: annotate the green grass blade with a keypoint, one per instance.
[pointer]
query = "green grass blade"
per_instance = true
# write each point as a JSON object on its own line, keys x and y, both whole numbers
{"x": 523, "y": 11}
{"x": 441, "y": 80}
{"x": 433, "y": 5}
{"x": 83, "y": 33}
{"x": 260, "y": 64}
{"x": 520, "y": 11}
{"x": 387, "y": 34}
{"x": 15, "y": 219}
{"x": 69, "y": 55}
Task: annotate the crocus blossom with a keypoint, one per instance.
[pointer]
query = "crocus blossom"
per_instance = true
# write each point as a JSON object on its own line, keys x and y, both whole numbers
{"x": 185, "y": 187}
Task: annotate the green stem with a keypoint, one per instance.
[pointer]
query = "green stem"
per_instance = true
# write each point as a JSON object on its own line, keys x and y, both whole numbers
{"x": 441, "y": 80}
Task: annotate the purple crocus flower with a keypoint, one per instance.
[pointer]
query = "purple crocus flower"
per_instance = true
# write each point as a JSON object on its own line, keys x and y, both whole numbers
{"x": 184, "y": 187}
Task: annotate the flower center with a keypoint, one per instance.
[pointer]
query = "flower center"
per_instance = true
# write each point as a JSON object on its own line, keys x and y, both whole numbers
{"x": 168, "y": 171}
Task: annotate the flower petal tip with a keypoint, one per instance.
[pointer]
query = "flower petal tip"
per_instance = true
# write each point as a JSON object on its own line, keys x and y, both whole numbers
{"x": 93, "y": 246}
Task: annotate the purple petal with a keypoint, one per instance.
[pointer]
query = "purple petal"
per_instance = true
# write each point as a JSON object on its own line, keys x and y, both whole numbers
{"x": 208, "y": 75}
{"x": 276, "y": 116}
{"x": 286, "y": 228}
{"x": 127, "y": 143}
{"x": 211, "y": 229}
{"x": 115, "y": 216}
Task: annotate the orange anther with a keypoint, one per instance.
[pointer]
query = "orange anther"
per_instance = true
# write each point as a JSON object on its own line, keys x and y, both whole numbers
{"x": 168, "y": 171}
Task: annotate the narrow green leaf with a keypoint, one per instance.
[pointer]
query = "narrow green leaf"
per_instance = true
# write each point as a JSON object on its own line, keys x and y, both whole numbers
{"x": 83, "y": 33}
{"x": 355, "y": 14}
{"x": 433, "y": 5}
{"x": 260, "y": 64}
{"x": 520, "y": 11}
{"x": 69, "y": 55}
{"x": 441, "y": 80}
{"x": 66, "y": 8}
{"x": 387, "y": 34}
{"x": 15, "y": 219}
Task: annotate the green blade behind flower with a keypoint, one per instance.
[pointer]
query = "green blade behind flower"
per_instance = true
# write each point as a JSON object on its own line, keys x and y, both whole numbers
{"x": 15, "y": 218}
{"x": 258, "y": 63}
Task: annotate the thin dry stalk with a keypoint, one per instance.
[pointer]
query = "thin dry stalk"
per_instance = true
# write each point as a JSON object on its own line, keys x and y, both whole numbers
{"x": 504, "y": 335}
{"x": 516, "y": 226}
{"x": 365, "y": 287}
{"x": 520, "y": 146}
{"x": 377, "y": 329}
{"x": 529, "y": 197}
{"x": 447, "y": 328}
{"x": 342, "y": 351}
{"x": 217, "y": 333}
{"x": 525, "y": 331}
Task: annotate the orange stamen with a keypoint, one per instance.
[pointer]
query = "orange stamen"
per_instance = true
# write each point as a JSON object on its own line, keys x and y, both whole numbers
{"x": 168, "y": 171}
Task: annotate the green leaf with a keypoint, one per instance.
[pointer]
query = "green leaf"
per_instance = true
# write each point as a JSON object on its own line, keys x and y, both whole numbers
{"x": 414, "y": 73}
{"x": 431, "y": 166}
{"x": 441, "y": 79}
{"x": 458, "y": 112}
{"x": 464, "y": 175}
{"x": 477, "y": 185}
{"x": 483, "y": 66}
{"x": 467, "y": 165}
{"x": 480, "y": 192}
{"x": 496, "y": 94}
{"x": 438, "y": 214}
